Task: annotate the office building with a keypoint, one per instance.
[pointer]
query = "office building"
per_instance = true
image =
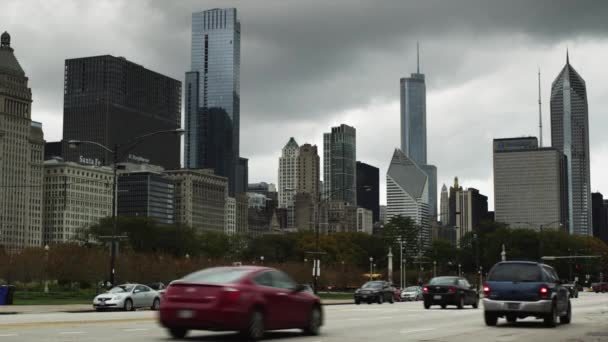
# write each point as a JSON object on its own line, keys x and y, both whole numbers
{"x": 570, "y": 136}
{"x": 146, "y": 193}
{"x": 308, "y": 171}
{"x": 256, "y": 200}
{"x": 75, "y": 197}
{"x": 600, "y": 216}
{"x": 340, "y": 164}
{"x": 445, "y": 205}
{"x": 200, "y": 198}
{"x": 471, "y": 209}
{"x": 413, "y": 130}
{"x": 529, "y": 184}
{"x": 368, "y": 189}
{"x": 21, "y": 157}
{"x": 110, "y": 100}
{"x": 338, "y": 217}
{"x": 241, "y": 213}
{"x": 383, "y": 214}
{"x": 365, "y": 222}
{"x": 212, "y": 103}
{"x": 230, "y": 223}
{"x": 288, "y": 178}
{"x": 452, "y": 203}
{"x": 304, "y": 208}
{"x": 407, "y": 190}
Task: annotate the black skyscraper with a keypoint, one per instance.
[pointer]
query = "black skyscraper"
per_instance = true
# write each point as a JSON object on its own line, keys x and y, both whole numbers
{"x": 146, "y": 194}
{"x": 599, "y": 216}
{"x": 368, "y": 189}
{"x": 110, "y": 100}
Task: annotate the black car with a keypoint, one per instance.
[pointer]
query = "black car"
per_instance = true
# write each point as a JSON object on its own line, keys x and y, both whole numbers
{"x": 572, "y": 289}
{"x": 446, "y": 291}
{"x": 519, "y": 289}
{"x": 375, "y": 291}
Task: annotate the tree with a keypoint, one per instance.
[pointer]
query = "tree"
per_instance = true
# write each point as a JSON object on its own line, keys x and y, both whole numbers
{"x": 402, "y": 228}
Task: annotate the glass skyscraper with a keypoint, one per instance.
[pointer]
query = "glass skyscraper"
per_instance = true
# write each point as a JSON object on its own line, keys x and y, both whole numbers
{"x": 340, "y": 164}
{"x": 570, "y": 135}
{"x": 213, "y": 95}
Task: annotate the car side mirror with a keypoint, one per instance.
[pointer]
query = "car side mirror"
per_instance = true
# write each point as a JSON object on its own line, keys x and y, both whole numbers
{"x": 136, "y": 291}
{"x": 299, "y": 288}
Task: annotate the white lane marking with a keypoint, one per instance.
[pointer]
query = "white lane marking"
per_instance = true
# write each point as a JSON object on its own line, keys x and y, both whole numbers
{"x": 71, "y": 332}
{"x": 137, "y": 329}
{"x": 411, "y": 331}
{"x": 8, "y": 335}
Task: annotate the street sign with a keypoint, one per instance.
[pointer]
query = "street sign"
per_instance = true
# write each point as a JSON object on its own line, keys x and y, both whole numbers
{"x": 316, "y": 268}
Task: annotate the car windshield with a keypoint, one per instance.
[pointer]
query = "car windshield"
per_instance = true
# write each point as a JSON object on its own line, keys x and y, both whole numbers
{"x": 121, "y": 289}
{"x": 412, "y": 288}
{"x": 516, "y": 272}
{"x": 372, "y": 286}
{"x": 444, "y": 281}
{"x": 216, "y": 276}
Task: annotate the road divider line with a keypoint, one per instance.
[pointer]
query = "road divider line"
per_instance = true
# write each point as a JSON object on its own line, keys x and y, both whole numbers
{"x": 9, "y": 335}
{"x": 136, "y": 329}
{"x": 71, "y": 323}
{"x": 71, "y": 332}
{"x": 414, "y": 331}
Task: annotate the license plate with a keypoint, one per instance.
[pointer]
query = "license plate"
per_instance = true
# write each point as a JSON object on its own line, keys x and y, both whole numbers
{"x": 437, "y": 297}
{"x": 185, "y": 314}
{"x": 512, "y": 306}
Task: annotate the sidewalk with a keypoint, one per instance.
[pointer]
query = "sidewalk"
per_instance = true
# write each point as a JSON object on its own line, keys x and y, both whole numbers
{"x": 42, "y": 309}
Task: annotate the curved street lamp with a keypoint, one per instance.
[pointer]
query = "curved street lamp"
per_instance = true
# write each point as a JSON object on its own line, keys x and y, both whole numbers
{"x": 118, "y": 153}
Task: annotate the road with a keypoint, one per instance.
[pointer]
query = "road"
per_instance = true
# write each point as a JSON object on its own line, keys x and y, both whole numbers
{"x": 397, "y": 322}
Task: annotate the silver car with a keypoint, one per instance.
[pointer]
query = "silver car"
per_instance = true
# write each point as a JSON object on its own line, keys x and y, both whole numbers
{"x": 127, "y": 297}
{"x": 412, "y": 293}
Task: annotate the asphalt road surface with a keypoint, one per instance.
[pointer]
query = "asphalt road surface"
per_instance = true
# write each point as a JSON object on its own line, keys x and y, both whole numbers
{"x": 386, "y": 322}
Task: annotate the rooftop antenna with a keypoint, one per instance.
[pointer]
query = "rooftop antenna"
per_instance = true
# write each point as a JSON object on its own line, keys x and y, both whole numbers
{"x": 540, "y": 113}
{"x": 417, "y": 57}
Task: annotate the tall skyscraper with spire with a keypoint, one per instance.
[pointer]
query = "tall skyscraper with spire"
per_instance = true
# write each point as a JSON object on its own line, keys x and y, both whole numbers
{"x": 570, "y": 135}
{"x": 445, "y": 205}
{"x": 413, "y": 129}
{"x": 213, "y": 96}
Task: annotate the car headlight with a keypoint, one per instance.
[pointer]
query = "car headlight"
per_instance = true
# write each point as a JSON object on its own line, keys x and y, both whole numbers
{"x": 117, "y": 298}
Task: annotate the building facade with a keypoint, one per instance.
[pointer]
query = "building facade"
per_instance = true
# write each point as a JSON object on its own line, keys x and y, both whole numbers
{"x": 383, "y": 214}
{"x": 365, "y": 218}
{"x": 340, "y": 164}
{"x": 445, "y": 206}
{"x": 110, "y": 100}
{"x": 368, "y": 189}
{"x": 200, "y": 199}
{"x": 570, "y": 136}
{"x": 471, "y": 209}
{"x": 530, "y": 188}
{"x": 304, "y": 207}
{"x": 213, "y": 95}
{"x": 288, "y": 179}
{"x": 600, "y": 216}
{"x": 230, "y": 223}
{"x": 308, "y": 171}
{"x": 407, "y": 193}
{"x": 21, "y": 156}
{"x": 146, "y": 194}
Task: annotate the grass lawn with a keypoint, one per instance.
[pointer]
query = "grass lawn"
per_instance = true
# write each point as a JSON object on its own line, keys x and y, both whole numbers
{"x": 53, "y": 298}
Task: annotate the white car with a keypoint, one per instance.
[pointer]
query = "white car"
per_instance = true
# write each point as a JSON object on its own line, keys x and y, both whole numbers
{"x": 412, "y": 293}
{"x": 127, "y": 297}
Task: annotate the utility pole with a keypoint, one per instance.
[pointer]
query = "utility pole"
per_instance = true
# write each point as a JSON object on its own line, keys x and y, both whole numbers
{"x": 503, "y": 254}
{"x": 390, "y": 264}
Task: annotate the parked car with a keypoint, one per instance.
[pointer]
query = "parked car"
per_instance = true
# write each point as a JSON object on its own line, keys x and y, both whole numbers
{"x": 158, "y": 287}
{"x": 127, "y": 297}
{"x": 446, "y": 291}
{"x": 519, "y": 289}
{"x": 248, "y": 299}
{"x": 396, "y": 294}
{"x": 599, "y": 287}
{"x": 572, "y": 289}
{"x": 411, "y": 293}
{"x": 377, "y": 291}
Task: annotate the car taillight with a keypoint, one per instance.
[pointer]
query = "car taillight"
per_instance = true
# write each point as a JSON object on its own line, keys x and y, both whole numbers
{"x": 486, "y": 290}
{"x": 544, "y": 292}
{"x": 231, "y": 295}
{"x": 452, "y": 289}
{"x": 425, "y": 289}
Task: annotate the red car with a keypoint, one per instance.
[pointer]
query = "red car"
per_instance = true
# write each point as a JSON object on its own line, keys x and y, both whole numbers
{"x": 599, "y": 287}
{"x": 247, "y": 299}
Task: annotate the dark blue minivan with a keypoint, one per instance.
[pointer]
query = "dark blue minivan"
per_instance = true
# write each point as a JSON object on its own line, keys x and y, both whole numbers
{"x": 519, "y": 289}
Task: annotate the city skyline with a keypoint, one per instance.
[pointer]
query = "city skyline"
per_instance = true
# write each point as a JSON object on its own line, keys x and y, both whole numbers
{"x": 455, "y": 111}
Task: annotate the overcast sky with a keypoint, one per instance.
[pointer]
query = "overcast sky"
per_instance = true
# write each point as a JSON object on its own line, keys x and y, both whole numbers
{"x": 309, "y": 65}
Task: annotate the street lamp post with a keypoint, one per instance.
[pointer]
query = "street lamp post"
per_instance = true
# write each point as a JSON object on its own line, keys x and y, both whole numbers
{"x": 46, "y": 268}
{"x": 404, "y": 273}
{"x": 118, "y": 153}
{"x": 459, "y": 273}
{"x": 371, "y": 267}
{"x": 434, "y": 269}
{"x": 262, "y": 260}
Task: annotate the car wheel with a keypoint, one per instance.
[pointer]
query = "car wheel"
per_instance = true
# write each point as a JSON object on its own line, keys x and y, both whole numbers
{"x": 490, "y": 319}
{"x": 511, "y": 319}
{"x": 155, "y": 304}
{"x": 567, "y": 317}
{"x": 380, "y": 299}
{"x": 443, "y": 306}
{"x": 314, "y": 322}
{"x": 427, "y": 305}
{"x": 392, "y": 300}
{"x": 255, "y": 328}
{"x": 178, "y": 333}
{"x": 461, "y": 302}
{"x": 128, "y": 306}
{"x": 369, "y": 302}
{"x": 357, "y": 301}
{"x": 476, "y": 303}
{"x": 551, "y": 318}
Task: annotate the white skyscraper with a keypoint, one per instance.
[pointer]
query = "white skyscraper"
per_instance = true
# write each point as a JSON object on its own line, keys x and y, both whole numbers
{"x": 288, "y": 178}
{"x": 445, "y": 205}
